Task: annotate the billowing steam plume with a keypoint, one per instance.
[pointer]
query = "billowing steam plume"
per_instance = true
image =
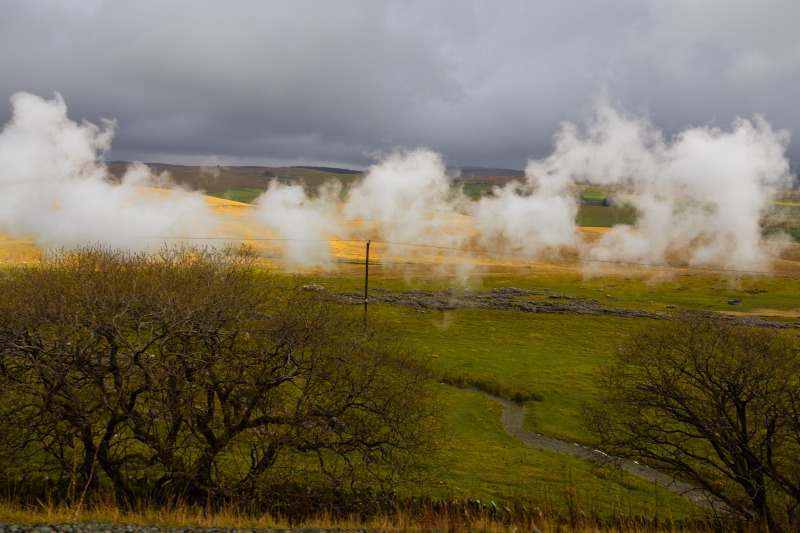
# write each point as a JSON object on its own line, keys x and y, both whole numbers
{"x": 699, "y": 195}
{"x": 410, "y": 196}
{"x": 705, "y": 187}
{"x": 54, "y": 189}
{"x": 306, "y": 224}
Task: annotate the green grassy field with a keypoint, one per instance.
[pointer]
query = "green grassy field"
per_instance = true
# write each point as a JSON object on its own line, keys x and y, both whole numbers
{"x": 476, "y": 190}
{"x": 598, "y": 216}
{"x": 554, "y": 356}
{"x": 593, "y": 195}
{"x": 311, "y": 183}
{"x": 490, "y": 465}
{"x": 783, "y": 217}
{"x": 246, "y": 195}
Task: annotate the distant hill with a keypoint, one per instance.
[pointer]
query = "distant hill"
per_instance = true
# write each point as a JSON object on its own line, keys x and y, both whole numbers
{"x": 481, "y": 172}
{"x": 245, "y": 183}
{"x": 332, "y": 170}
{"x": 219, "y": 178}
{"x": 479, "y": 181}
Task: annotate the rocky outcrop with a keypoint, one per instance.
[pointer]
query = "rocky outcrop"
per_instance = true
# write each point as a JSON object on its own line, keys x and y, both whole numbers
{"x": 513, "y": 299}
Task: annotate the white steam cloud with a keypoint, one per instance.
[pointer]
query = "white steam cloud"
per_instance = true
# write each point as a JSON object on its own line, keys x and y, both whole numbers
{"x": 537, "y": 220}
{"x": 411, "y": 198}
{"x": 698, "y": 195}
{"x": 305, "y": 223}
{"x": 54, "y": 189}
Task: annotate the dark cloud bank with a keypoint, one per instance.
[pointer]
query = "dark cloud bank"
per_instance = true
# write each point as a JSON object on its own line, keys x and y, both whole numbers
{"x": 335, "y": 83}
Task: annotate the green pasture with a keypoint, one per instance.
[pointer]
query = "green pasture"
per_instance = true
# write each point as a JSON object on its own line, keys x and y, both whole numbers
{"x": 782, "y": 217}
{"x": 554, "y": 356}
{"x": 311, "y": 182}
{"x": 598, "y": 216}
{"x": 774, "y": 231}
{"x": 477, "y": 190}
{"x": 590, "y": 194}
{"x": 246, "y": 194}
{"x": 488, "y": 464}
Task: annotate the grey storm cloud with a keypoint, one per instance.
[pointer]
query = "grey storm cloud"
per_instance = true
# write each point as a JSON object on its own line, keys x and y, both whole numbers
{"x": 304, "y": 82}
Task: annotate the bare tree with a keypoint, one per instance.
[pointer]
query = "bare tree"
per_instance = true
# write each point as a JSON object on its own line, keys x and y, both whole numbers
{"x": 715, "y": 404}
{"x": 191, "y": 373}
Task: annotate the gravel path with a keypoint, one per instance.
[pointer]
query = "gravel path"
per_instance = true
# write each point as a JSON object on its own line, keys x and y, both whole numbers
{"x": 514, "y": 415}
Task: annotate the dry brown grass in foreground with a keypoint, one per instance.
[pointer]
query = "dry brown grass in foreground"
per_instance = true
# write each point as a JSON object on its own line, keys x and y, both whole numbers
{"x": 428, "y": 519}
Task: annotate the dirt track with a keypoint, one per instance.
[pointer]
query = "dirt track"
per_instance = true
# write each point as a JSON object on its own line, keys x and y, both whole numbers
{"x": 514, "y": 415}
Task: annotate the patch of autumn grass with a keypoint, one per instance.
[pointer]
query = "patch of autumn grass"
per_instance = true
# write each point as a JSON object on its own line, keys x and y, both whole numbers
{"x": 426, "y": 519}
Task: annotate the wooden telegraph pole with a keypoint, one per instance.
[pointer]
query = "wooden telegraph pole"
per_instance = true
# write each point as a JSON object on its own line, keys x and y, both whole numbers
{"x": 366, "y": 288}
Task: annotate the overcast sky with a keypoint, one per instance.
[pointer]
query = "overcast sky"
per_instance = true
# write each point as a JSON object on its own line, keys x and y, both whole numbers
{"x": 336, "y": 82}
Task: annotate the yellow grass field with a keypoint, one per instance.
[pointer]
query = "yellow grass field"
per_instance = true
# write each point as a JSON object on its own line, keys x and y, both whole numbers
{"x": 236, "y": 224}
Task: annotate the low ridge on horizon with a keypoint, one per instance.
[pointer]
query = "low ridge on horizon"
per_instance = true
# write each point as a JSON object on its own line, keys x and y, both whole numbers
{"x": 462, "y": 172}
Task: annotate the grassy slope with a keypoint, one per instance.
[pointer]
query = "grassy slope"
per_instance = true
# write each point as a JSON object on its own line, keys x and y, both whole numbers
{"x": 556, "y": 356}
{"x": 488, "y": 464}
{"x": 597, "y": 216}
{"x": 552, "y": 355}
